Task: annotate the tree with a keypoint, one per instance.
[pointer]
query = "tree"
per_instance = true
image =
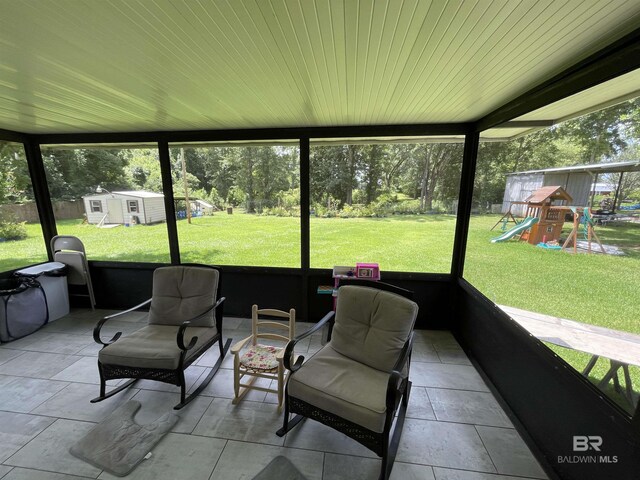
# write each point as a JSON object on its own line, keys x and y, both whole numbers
{"x": 15, "y": 183}
{"x": 74, "y": 173}
{"x": 432, "y": 162}
{"x": 394, "y": 158}
{"x": 604, "y": 133}
{"x": 372, "y": 171}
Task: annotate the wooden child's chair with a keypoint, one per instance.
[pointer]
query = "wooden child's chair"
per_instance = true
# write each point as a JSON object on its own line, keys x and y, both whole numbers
{"x": 261, "y": 360}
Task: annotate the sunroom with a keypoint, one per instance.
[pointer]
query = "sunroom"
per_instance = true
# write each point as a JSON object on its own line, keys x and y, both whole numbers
{"x": 321, "y": 134}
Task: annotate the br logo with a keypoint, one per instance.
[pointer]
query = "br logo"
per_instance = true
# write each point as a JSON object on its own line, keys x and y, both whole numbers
{"x": 583, "y": 443}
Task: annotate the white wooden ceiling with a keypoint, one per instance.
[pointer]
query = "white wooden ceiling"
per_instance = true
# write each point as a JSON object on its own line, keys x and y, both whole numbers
{"x": 150, "y": 65}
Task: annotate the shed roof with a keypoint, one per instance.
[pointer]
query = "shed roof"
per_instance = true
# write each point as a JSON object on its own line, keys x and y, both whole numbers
{"x": 549, "y": 193}
{"x": 606, "y": 167}
{"x": 169, "y": 65}
{"x": 128, "y": 193}
{"x": 139, "y": 193}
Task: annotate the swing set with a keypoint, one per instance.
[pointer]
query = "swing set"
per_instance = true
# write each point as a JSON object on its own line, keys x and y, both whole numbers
{"x": 583, "y": 224}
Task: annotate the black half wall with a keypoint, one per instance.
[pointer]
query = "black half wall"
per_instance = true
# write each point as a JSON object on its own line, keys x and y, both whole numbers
{"x": 550, "y": 400}
{"x": 120, "y": 285}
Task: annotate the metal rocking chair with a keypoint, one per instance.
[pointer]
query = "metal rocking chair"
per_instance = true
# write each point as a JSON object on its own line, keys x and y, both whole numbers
{"x": 356, "y": 382}
{"x": 185, "y": 303}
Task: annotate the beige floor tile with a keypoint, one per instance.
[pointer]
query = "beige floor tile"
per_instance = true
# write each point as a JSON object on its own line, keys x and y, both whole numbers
{"x": 74, "y": 403}
{"x": 17, "y": 429}
{"x": 19, "y": 394}
{"x": 247, "y": 421}
{"x": 240, "y": 461}
{"x": 509, "y": 452}
{"x": 442, "y": 444}
{"x": 37, "y": 365}
{"x": 30, "y": 474}
{"x": 440, "y": 375}
{"x": 312, "y": 435}
{"x": 155, "y": 404}
{"x": 479, "y": 408}
{"x": 50, "y": 450}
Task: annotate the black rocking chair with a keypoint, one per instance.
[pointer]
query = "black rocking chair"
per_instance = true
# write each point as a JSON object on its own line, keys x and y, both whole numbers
{"x": 185, "y": 303}
{"x": 359, "y": 380}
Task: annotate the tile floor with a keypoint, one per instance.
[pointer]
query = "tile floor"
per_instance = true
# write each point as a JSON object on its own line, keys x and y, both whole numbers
{"x": 455, "y": 429}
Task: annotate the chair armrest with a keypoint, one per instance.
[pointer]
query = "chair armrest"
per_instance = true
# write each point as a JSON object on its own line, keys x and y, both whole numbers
{"x": 98, "y": 327}
{"x": 180, "y": 337}
{"x": 396, "y": 379}
{"x": 288, "y": 351}
{"x": 240, "y": 345}
{"x": 186, "y": 323}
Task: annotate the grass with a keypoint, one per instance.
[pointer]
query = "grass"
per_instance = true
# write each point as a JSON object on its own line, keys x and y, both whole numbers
{"x": 595, "y": 289}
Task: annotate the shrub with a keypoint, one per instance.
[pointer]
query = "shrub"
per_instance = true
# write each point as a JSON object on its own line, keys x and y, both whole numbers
{"x": 407, "y": 207}
{"x": 281, "y": 211}
{"x": 12, "y": 230}
{"x": 354, "y": 211}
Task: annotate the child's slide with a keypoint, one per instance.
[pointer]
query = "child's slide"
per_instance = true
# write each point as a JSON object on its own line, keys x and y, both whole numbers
{"x": 521, "y": 227}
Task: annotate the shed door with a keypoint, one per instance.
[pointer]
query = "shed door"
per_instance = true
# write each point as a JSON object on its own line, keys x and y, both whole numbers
{"x": 114, "y": 207}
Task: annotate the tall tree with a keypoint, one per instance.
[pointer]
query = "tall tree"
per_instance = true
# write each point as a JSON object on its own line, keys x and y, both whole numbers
{"x": 15, "y": 183}
{"x": 603, "y": 133}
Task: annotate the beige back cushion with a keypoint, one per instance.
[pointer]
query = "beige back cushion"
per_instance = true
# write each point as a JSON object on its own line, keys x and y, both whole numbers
{"x": 372, "y": 325}
{"x": 181, "y": 293}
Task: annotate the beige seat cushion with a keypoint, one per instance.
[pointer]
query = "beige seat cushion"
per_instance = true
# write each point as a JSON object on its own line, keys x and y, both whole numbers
{"x": 372, "y": 326}
{"x": 153, "y": 346}
{"x": 341, "y": 386}
{"x": 180, "y": 293}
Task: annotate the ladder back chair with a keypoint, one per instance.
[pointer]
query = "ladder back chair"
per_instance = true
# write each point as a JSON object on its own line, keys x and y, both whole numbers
{"x": 254, "y": 359}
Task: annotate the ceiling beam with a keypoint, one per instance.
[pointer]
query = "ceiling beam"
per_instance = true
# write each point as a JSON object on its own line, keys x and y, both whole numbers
{"x": 258, "y": 134}
{"x": 526, "y": 124}
{"x": 622, "y": 56}
{"x": 11, "y": 136}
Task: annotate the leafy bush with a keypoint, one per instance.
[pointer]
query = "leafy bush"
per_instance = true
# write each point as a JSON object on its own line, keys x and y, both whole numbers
{"x": 12, "y": 230}
{"x": 281, "y": 211}
{"x": 355, "y": 211}
{"x": 236, "y": 196}
{"x": 406, "y": 207}
{"x": 289, "y": 199}
{"x": 329, "y": 210}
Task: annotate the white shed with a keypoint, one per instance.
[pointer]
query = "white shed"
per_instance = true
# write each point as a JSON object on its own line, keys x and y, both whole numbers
{"x": 125, "y": 207}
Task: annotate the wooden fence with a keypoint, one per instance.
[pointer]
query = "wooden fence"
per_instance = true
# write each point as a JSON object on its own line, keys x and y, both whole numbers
{"x": 27, "y": 212}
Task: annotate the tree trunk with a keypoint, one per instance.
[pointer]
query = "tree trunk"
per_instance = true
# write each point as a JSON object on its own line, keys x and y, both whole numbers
{"x": 594, "y": 151}
{"x": 250, "y": 194}
{"x": 518, "y": 154}
{"x": 351, "y": 158}
{"x": 425, "y": 178}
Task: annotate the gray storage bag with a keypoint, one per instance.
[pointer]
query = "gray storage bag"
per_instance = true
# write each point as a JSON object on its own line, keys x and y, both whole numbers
{"x": 23, "y": 309}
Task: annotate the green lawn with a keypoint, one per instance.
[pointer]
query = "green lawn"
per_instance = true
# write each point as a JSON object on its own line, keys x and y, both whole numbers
{"x": 596, "y": 289}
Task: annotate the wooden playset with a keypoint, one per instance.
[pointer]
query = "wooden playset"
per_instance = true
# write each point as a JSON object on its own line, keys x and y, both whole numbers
{"x": 549, "y": 218}
{"x": 545, "y": 213}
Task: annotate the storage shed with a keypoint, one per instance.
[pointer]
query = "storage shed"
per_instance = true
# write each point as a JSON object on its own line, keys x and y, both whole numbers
{"x": 575, "y": 180}
{"x": 125, "y": 207}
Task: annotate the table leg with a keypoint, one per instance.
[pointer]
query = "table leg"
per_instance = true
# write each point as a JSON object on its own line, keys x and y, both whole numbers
{"x": 590, "y": 365}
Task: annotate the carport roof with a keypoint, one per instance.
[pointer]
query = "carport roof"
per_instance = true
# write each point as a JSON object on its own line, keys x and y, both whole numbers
{"x": 609, "y": 167}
